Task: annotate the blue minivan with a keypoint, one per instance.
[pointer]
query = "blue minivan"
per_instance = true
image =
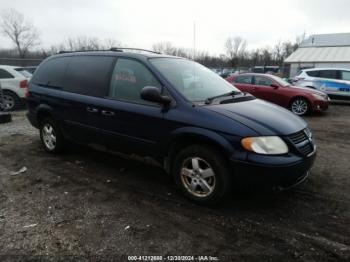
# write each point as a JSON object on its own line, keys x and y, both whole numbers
{"x": 201, "y": 129}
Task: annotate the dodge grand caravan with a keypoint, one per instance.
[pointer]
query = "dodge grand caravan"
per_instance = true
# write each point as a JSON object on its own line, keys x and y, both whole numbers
{"x": 203, "y": 130}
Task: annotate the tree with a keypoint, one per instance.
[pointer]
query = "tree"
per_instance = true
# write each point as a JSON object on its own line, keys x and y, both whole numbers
{"x": 22, "y": 33}
{"x": 235, "y": 49}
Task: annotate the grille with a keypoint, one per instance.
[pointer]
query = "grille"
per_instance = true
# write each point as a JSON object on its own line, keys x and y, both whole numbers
{"x": 301, "y": 142}
{"x": 306, "y": 149}
{"x": 299, "y": 137}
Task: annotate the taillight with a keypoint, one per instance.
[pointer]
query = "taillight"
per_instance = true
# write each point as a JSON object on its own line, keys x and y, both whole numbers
{"x": 23, "y": 84}
{"x": 26, "y": 93}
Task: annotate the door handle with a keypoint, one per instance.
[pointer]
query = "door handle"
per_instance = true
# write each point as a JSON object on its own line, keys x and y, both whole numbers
{"x": 92, "y": 110}
{"x": 107, "y": 113}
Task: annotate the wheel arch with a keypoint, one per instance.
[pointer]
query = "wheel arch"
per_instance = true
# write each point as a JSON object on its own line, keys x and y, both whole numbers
{"x": 299, "y": 96}
{"x": 43, "y": 111}
{"x": 189, "y": 136}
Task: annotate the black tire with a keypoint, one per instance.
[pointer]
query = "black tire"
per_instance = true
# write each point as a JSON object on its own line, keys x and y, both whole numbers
{"x": 59, "y": 145}
{"x": 13, "y": 101}
{"x": 218, "y": 164}
{"x": 304, "y": 107}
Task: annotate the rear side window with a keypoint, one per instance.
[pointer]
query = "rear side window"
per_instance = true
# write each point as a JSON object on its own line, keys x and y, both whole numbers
{"x": 345, "y": 75}
{"x": 330, "y": 74}
{"x": 313, "y": 73}
{"x": 4, "y": 74}
{"x": 243, "y": 80}
{"x": 128, "y": 79}
{"x": 88, "y": 75}
{"x": 51, "y": 72}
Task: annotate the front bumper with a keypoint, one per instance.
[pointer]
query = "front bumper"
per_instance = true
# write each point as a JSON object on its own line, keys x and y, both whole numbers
{"x": 263, "y": 171}
{"x": 320, "y": 106}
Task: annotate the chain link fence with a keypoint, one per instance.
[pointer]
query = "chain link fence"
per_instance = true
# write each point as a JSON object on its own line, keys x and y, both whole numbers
{"x": 22, "y": 62}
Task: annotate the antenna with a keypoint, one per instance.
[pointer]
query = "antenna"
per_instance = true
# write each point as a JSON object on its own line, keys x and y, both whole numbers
{"x": 194, "y": 40}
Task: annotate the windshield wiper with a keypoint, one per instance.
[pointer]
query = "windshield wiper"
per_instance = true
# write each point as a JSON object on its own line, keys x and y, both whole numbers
{"x": 209, "y": 100}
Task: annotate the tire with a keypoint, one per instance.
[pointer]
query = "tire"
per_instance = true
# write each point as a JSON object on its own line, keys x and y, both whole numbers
{"x": 213, "y": 169}
{"x": 51, "y": 136}
{"x": 300, "y": 106}
{"x": 11, "y": 100}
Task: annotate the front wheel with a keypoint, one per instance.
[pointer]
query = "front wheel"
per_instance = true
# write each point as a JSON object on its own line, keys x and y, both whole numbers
{"x": 300, "y": 106}
{"x": 202, "y": 174}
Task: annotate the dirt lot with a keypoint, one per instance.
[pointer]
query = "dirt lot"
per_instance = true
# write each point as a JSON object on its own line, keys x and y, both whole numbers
{"x": 88, "y": 205}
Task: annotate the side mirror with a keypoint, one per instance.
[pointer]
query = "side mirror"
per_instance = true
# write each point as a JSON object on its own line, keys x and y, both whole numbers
{"x": 152, "y": 94}
{"x": 275, "y": 86}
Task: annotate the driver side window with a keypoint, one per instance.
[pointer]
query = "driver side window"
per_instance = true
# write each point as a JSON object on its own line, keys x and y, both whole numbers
{"x": 128, "y": 78}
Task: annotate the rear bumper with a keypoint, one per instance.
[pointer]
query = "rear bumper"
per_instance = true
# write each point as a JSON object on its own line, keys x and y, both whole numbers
{"x": 280, "y": 177}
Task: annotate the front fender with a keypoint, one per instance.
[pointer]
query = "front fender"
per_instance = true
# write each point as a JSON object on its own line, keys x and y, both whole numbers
{"x": 203, "y": 134}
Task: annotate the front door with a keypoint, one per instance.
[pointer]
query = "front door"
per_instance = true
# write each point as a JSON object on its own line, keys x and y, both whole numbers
{"x": 129, "y": 123}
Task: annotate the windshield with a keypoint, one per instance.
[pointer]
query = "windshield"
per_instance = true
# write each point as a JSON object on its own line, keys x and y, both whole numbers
{"x": 192, "y": 80}
{"x": 280, "y": 80}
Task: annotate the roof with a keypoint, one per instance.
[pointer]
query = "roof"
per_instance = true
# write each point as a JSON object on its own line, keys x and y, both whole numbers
{"x": 327, "y": 40}
{"x": 320, "y": 54}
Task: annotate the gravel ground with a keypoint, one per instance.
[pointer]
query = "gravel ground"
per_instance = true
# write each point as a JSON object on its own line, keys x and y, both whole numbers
{"x": 87, "y": 205}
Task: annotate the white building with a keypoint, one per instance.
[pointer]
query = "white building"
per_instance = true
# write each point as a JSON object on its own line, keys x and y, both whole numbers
{"x": 327, "y": 50}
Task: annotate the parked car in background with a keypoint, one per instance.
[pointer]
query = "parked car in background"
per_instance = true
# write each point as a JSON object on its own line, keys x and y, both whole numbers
{"x": 274, "y": 89}
{"x": 265, "y": 69}
{"x": 201, "y": 129}
{"x": 29, "y": 69}
{"x": 14, "y": 85}
{"x": 333, "y": 81}
{"x": 24, "y": 72}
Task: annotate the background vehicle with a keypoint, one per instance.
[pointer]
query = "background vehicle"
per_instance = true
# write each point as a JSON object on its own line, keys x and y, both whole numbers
{"x": 29, "y": 69}
{"x": 203, "y": 130}
{"x": 274, "y": 89}
{"x": 333, "y": 81}
{"x": 265, "y": 69}
{"x": 14, "y": 85}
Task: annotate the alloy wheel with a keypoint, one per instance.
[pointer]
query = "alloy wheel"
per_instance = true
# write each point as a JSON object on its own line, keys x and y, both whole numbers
{"x": 198, "y": 177}
{"x": 49, "y": 137}
{"x": 299, "y": 107}
{"x": 9, "y": 102}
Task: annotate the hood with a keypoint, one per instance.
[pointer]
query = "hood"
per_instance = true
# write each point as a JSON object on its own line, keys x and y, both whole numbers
{"x": 263, "y": 117}
{"x": 306, "y": 90}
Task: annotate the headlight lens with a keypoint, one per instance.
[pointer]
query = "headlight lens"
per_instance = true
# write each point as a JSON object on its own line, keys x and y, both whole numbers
{"x": 320, "y": 97}
{"x": 267, "y": 145}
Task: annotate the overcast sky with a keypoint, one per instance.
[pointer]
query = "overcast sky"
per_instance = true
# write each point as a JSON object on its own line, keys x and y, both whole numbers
{"x": 140, "y": 23}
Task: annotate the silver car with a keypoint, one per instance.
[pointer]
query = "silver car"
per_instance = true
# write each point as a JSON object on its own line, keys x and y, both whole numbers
{"x": 333, "y": 81}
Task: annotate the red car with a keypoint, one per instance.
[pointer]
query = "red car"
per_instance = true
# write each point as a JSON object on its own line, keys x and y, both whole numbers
{"x": 274, "y": 89}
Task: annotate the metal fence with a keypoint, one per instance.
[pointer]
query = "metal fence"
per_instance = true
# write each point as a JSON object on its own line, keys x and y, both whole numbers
{"x": 20, "y": 61}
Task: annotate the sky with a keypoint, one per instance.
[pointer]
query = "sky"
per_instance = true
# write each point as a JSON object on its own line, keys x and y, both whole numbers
{"x": 137, "y": 23}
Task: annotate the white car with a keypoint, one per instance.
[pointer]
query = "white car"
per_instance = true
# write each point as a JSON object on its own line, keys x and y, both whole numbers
{"x": 335, "y": 82}
{"x": 14, "y": 84}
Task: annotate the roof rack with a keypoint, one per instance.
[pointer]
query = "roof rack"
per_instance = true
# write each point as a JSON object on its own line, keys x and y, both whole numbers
{"x": 120, "y": 49}
{"x": 114, "y": 49}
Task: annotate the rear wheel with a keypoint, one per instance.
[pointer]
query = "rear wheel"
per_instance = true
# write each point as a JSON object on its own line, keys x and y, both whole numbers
{"x": 51, "y": 136}
{"x": 10, "y": 100}
{"x": 202, "y": 174}
{"x": 300, "y": 106}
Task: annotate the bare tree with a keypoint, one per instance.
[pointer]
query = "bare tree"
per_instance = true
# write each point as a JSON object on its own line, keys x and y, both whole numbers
{"x": 81, "y": 43}
{"x": 22, "y": 33}
{"x": 235, "y": 49}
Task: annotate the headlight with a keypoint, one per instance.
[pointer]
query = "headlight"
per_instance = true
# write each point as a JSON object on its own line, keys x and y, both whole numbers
{"x": 267, "y": 145}
{"x": 320, "y": 97}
